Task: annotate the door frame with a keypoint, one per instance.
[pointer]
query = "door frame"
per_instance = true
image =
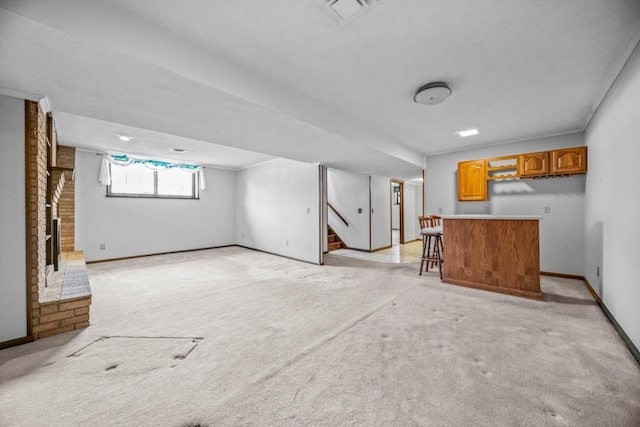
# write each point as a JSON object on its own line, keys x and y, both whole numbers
{"x": 401, "y": 183}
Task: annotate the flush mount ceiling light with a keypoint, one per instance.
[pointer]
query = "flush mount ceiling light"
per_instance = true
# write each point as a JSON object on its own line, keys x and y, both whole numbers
{"x": 469, "y": 132}
{"x": 124, "y": 137}
{"x": 432, "y": 93}
{"x": 178, "y": 150}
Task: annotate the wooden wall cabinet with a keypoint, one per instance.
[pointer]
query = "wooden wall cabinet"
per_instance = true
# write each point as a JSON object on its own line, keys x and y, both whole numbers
{"x": 534, "y": 164}
{"x": 569, "y": 160}
{"x": 472, "y": 181}
{"x": 473, "y": 175}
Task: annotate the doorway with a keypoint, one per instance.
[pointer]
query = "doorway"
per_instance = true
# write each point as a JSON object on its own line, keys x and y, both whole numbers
{"x": 397, "y": 212}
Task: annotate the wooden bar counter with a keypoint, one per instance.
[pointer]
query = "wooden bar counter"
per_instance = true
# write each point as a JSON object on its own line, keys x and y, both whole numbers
{"x": 496, "y": 253}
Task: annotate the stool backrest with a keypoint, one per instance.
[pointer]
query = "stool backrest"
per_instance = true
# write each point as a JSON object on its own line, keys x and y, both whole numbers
{"x": 436, "y": 220}
{"x": 425, "y": 222}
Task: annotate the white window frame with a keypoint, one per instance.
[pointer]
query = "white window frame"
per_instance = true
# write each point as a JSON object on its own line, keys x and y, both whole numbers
{"x": 195, "y": 193}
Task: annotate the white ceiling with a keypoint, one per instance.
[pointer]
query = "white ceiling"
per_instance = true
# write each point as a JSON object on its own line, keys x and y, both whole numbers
{"x": 286, "y": 78}
{"x": 103, "y": 137}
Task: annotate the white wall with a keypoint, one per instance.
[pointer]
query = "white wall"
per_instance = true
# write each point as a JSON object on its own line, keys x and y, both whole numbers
{"x": 13, "y": 294}
{"x": 278, "y": 209}
{"x": 612, "y": 223}
{"x": 381, "y": 215}
{"x": 138, "y": 226}
{"x": 561, "y": 231}
{"x": 412, "y": 210}
{"x": 348, "y": 192}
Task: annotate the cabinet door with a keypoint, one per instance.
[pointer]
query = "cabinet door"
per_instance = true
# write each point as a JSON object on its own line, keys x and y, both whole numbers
{"x": 569, "y": 160}
{"x": 472, "y": 181}
{"x": 532, "y": 164}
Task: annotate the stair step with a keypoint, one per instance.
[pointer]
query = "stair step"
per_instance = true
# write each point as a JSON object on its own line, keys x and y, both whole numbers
{"x": 334, "y": 245}
{"x": 332, "y": 238}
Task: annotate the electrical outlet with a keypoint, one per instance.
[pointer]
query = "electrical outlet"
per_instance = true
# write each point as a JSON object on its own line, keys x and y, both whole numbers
{"x": 439, "y": 210}
{"x": 243, "y": 235}
{"x": 308, "y": 210}
{"x": 598, "y": 271}
{"x": 371, "y": 210}
{"x": 103, "y": 246}
{"x": 359, "y": 210}
{"x": 547, "y": 209}
{"x": 287, "y": 244}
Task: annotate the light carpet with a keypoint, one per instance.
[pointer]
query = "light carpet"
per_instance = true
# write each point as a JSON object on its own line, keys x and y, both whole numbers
{"x": 231, "y": 337}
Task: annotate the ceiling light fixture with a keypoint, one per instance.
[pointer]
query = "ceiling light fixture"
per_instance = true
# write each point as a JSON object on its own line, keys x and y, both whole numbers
{"x": 125, "y": 137}
{"x": 432, "y": 93}
{"x": 469, "y": 132}
{"x": 178, "y": 150}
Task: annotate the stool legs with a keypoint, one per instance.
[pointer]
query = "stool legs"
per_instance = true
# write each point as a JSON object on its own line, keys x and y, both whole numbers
{"x": 432, "y": 251}
{"x": 426, "y": 244}
{"x": 437, "y": 256}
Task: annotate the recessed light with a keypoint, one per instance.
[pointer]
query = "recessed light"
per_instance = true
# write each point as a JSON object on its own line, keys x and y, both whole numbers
{"x": 178, "y": 150}
{"x": 124, "y": 137}
{"x": 469, "y": 132}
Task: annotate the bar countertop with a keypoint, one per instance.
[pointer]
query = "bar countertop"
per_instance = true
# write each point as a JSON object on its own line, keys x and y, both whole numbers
{"x": 485, "y": 216}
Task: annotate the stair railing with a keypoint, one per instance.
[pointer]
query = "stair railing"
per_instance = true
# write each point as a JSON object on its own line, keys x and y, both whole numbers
{"x": 338, "y": 214}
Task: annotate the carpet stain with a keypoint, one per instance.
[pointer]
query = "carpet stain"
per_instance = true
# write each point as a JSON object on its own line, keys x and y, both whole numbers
{"x": 110, "y": 367}
{"x": 194, "y": 424}
{"x": 554, "y": 415}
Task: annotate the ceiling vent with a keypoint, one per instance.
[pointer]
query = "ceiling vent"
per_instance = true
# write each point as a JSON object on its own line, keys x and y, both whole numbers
{"x": 345, "y": 10}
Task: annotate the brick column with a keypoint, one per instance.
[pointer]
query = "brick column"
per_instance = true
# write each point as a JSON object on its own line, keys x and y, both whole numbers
{"x": 66, "y": 203}
{"x": 36, "y": 147}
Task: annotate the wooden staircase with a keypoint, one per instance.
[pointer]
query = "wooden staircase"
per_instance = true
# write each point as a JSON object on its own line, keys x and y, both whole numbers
{"x": 334, "y": 240}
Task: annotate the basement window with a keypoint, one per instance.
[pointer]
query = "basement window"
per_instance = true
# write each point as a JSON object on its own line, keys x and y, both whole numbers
{"x": 138, "y": 180}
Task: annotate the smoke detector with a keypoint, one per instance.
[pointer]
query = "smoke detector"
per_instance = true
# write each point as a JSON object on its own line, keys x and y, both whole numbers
{"x": 432, "y": 93}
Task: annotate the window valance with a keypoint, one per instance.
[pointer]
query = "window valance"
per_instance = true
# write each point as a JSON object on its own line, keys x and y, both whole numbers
{"x": 123, "y": 160}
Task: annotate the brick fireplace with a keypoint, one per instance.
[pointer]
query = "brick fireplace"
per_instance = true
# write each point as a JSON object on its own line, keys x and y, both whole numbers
{"x": 64, "y": 305}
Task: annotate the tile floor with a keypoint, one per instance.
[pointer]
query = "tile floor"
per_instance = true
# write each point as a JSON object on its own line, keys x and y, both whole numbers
{"x": 407, "y": 253}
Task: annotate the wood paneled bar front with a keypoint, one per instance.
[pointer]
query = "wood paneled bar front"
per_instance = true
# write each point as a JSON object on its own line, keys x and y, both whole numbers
{"x": 499, "y": 253}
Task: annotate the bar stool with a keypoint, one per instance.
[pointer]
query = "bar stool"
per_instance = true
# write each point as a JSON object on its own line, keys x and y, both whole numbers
{"x": 432, "y": 247}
